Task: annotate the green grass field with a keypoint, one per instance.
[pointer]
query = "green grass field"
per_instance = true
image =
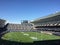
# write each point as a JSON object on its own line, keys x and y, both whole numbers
{"x": 28, "y": 37}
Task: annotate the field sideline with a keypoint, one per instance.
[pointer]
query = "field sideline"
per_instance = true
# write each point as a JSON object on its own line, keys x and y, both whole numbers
{"x": 28, "y": 36}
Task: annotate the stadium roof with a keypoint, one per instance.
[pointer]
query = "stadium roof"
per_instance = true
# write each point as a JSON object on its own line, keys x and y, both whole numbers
{"x": 49, "y": 16}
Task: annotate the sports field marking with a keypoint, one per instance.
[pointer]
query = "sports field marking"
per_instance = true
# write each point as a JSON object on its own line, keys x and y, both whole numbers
{"x": 22, "y": 32}
{"x": 26, "y": 34}
{"x": 34, "y": 38}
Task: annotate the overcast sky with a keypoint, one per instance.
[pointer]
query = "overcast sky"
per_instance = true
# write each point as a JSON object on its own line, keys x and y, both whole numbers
{"x": 17, "y": 10}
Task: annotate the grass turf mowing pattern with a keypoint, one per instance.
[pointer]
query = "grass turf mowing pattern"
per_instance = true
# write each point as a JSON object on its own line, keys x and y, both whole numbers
{"x": 20, "y": 37}
{"x": 43, "y": 36}
{"x": 17, "y": 36}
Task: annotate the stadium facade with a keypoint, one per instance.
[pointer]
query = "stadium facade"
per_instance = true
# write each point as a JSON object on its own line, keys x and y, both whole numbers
{"x": 50, "y": 20}
{"x": 24, "y": 26}
{"x": 48, "y": 23}
{"x": 20, "y": 27}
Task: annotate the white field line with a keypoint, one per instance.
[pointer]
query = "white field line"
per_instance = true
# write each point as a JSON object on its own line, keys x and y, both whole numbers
{"x": 34, "y": 38}
{"x": 22, "y": 32}
{"x": 26, "y": 34}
